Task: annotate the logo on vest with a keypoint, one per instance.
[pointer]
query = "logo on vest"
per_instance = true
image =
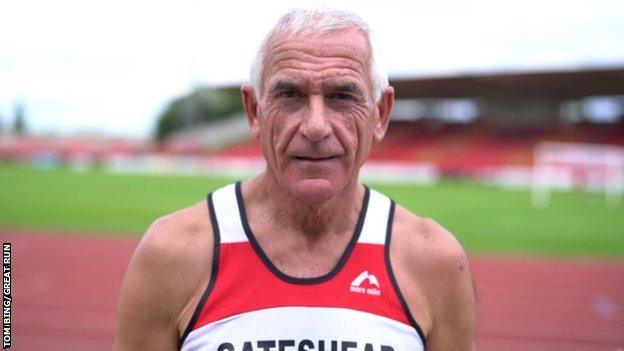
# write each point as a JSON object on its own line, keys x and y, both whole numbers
{"x": 365, "y": 283}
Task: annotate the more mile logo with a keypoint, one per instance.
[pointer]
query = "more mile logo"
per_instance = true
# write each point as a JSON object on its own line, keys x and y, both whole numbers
{"x": 365, "y": 283}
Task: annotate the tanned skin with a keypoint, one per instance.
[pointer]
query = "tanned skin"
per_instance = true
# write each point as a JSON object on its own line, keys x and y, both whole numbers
{"x": 316, "y": 119}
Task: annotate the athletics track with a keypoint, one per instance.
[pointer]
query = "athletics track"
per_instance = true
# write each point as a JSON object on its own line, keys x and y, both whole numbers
{"x": 65, "y": 290}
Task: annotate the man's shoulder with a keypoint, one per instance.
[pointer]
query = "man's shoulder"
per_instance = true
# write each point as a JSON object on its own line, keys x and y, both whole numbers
{"x": 423, "y": 241}
{"x": 180, "y": 237}
{"x": 178, "y": 248}
{"x": 429, "y": 257}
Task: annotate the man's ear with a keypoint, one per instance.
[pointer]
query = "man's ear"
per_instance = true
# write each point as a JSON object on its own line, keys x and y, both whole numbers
{"x": 251, "y": 109}
{"x": 384, "y": 107}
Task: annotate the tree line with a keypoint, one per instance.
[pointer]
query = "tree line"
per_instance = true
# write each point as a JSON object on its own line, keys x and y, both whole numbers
{"x": 200, "y": 106}
{"x": 18, "y": 124}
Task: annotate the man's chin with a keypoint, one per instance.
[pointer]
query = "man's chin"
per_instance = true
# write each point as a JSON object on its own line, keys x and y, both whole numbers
{"x": 314, "y": 190}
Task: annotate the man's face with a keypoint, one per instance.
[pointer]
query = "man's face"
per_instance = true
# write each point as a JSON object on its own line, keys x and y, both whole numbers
{"x": 316, "y": 118}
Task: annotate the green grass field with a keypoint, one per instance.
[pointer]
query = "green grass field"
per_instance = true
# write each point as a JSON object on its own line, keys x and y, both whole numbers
{"x": 485, "y": 219}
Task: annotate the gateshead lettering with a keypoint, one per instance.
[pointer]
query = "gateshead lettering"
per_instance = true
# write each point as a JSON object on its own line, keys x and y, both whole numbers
{"x": 303, "y": 345}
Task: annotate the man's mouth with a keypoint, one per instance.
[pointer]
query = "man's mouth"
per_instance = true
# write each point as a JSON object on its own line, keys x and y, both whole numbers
{"x": 315, "y": 158}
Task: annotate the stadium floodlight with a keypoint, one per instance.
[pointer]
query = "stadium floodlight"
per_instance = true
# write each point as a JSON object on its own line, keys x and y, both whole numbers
{"x": 589, "y": 167}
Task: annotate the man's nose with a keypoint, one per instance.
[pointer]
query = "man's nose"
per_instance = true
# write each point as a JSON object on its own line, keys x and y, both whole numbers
{"x": 315, "y": 125}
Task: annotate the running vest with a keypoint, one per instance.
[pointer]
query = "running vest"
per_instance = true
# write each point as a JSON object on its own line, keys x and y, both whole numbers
{"x": 251, "y": 305}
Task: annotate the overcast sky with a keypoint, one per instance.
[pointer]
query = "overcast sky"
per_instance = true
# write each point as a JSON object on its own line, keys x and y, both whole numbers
{"x": 112, "y": 66}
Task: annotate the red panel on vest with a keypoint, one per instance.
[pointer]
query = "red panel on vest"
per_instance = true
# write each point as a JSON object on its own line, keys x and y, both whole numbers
{"x": 244, "y": 284}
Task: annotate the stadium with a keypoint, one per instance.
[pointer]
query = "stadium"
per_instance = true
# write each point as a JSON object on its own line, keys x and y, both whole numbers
{"x": 525, "y": 167}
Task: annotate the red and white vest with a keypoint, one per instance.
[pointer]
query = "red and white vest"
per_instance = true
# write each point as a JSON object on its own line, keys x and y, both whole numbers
{"x": 250, "y": 304}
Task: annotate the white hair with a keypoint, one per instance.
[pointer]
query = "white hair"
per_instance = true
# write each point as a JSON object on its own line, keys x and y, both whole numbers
{"x": 319, "y": 20}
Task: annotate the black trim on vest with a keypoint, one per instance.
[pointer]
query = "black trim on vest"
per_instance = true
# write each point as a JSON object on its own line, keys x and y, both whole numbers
{"x": 213, "y": 273}
{"x": 393, "y": 278}
{"x": 294, "y": 280}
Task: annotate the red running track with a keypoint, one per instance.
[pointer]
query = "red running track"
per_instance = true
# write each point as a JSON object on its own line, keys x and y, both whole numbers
{"x": 65, "y": 289}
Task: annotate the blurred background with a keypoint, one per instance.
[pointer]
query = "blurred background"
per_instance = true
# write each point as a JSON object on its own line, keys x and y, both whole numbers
{"x": 508, "y": 129}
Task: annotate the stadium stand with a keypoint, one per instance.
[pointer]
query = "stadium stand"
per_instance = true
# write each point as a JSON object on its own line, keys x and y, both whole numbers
{"x": 466, "y": 149}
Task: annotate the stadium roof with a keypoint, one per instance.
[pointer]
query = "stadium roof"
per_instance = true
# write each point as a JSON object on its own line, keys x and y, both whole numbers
{"x": 546, "y": 84}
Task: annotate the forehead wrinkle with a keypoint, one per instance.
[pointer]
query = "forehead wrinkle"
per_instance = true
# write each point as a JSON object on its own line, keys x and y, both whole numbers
{"x": 314, "y": 54}
{"x": 305, "y": 57}
{"x": 314, "y": 64}
{"x": 325, "y": 73}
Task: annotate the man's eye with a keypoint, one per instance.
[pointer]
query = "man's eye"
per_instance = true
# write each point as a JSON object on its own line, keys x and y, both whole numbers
{"x": 340, "y": 96}
{"x": 289, "y": 94}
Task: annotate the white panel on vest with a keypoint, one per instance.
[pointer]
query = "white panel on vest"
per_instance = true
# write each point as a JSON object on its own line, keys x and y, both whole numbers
{"x": 376, "y": 220}
{"x": 298, "y": 325}
{"x": 228, "y": 216}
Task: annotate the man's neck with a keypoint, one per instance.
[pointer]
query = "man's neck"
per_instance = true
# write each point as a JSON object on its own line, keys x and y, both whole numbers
{"x": 334, "y": 216}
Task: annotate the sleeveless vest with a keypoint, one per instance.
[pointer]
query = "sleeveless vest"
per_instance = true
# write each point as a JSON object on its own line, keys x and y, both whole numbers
{"x": 250, "y": 304}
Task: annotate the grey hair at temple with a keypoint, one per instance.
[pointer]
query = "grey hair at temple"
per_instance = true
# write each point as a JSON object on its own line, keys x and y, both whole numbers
{"x": 319, "y": 20}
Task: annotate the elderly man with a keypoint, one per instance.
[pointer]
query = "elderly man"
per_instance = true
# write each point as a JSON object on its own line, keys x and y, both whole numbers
{"x": 303, "y": 256}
